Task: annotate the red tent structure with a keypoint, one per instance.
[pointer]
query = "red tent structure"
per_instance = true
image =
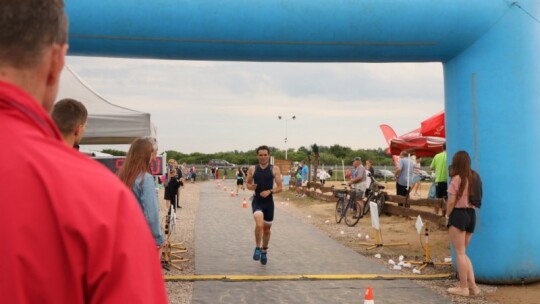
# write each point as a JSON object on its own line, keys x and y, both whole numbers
{"x": 425, "y": 141}
{"x": 434, "y": 126}
{"x": 421, "y": 146}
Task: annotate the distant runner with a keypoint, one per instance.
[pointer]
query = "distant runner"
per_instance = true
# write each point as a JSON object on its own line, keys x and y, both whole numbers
{"x": 240, "y": 176}
{"x": 260, "y": 178}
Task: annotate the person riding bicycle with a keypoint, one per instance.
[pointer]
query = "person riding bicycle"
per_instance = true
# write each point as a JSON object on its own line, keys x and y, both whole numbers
{"x": 358, "y": 185}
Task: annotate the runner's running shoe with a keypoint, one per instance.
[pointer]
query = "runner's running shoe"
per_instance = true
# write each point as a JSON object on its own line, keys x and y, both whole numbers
{"x": 264, "y": 258}
{"x": 257, "y": 253}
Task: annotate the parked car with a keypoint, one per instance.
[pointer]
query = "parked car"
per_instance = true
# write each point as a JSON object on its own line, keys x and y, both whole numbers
{"x": 424, "y": 176}
{"x": 384, "y": 174}
{"x": 220, "y": 163}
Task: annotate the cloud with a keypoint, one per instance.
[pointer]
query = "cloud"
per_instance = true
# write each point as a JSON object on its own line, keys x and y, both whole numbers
{"x": 222, "y": 106}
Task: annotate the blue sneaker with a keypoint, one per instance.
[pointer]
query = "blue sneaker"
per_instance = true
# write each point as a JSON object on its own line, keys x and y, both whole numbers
{"x": 257, "y": 253}
{"x": 264, "y": 258}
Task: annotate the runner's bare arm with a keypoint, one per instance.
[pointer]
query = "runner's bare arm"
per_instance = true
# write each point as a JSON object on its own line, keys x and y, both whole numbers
{"x": 279, "y": 180}
{"x": 249, "y": 181}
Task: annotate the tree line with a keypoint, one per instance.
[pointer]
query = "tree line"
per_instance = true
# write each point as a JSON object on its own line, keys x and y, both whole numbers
{"x": 327, "y": 155}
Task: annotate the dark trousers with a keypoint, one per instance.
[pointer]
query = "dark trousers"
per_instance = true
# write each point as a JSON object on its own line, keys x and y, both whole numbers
{"x": 402, "y": 191}
{"x": 441, "y": 190}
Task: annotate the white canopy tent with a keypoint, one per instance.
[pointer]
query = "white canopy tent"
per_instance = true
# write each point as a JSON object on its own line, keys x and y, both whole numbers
{"x": 107, "y": 123}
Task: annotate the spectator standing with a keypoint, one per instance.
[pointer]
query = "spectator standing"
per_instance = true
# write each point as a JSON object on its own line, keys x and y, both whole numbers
{"x": 71, "y": 117}
{"x": 298, "y": 179}
{"x": 166, "y": 193}
{"x": 305, "y": 177}
{"x": 417, "y": 178}
{"x": 323, "y": 176}
{"x": 78, "y": 235}
{"x": 134, "y": 173}
{"x": 184, "y": 171}
{"x": 461, "y": 218}
{"x": 193, "y": 173}
{"x": 404, "y": 174}
{"x": 176, "y": 183}
{"x": 441, "y": 172}
{"x": 358, "y": 185}
{"x": 369, "y": 167}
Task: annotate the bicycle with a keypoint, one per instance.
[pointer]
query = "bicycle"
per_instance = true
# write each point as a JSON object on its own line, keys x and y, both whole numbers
{"x": 169, "y": 228}
{"x": 340, "y": 204}
{"x": 346, "y": 207}
{"x": 375, "y": 195}
{"x": 171, "y": 251}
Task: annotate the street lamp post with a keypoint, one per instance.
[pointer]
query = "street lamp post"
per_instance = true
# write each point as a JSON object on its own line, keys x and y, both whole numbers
{"x": 286, "y": 120}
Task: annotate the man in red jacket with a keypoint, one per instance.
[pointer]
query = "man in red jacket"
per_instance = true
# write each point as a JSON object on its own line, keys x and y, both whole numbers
{"x": 70, "y": 231}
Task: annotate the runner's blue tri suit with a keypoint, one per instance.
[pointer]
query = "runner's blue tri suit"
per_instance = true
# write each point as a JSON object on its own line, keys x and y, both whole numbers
{"x": 264, "y": 179}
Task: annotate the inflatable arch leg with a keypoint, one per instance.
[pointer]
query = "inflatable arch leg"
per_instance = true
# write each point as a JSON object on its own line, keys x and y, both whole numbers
{"x": 490, "y": 50}
{"x": 492, "y": 105}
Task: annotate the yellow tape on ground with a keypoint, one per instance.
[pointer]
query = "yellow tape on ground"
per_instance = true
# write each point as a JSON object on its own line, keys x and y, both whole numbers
{"x": 373, "y": 276}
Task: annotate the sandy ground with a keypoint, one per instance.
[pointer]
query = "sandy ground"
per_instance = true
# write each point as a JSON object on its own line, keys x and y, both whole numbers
{"x": 321, "y": 215}
{"x": 397, "y": 229}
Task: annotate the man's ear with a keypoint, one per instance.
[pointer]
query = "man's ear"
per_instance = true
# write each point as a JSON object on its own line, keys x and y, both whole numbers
{"x": 56, "y": 64}
{"x": 78, "y": 130}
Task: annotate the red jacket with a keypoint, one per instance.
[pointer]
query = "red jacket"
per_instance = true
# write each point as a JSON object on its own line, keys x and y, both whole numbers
{"x": 70, "y": 231}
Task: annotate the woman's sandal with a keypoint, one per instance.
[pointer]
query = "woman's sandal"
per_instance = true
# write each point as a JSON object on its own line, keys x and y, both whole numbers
{"x": 474, "y": 291}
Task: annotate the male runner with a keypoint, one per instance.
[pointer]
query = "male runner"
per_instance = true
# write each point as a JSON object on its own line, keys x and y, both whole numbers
{"x": 260, "y": 178}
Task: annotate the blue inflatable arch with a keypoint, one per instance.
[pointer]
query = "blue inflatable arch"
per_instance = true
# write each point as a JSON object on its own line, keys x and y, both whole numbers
{"x": 490, "y": 50}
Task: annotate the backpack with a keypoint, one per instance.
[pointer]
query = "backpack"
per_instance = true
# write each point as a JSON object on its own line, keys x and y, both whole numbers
{"x": 475, "y": 190}
{"x": 433, "y": 191}
{"x": 299, "y": 173}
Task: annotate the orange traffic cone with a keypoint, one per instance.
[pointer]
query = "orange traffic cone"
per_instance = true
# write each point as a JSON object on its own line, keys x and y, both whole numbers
{"x": 232, "y": 193}
{"x": 368, "y": 298}
{"x": 244, "y": 203}
{"x": 225, "y": 189}
{"x": 219, "y": 185}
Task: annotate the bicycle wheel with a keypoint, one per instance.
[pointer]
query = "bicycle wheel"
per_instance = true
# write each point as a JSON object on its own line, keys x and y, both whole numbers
{"x": 351, "y": 218}
{"x": 169, "y": 223}
{"x": 380, "y": 202}
{"x": 338, "y": 214}
{"x": 370, "y": 198}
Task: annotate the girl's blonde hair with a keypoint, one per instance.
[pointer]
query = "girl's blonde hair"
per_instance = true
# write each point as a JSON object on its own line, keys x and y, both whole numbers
{"x": 137, "y": 161}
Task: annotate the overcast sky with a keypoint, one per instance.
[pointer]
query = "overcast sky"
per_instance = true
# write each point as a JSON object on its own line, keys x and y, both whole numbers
{"x": 204, "y": 106}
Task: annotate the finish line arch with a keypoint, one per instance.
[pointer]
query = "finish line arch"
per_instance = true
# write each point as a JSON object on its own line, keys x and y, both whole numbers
{"x": 489, "y": 50}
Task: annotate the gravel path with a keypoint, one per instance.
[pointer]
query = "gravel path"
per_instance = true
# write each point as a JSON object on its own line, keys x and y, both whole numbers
{"x": 181, "y": 292}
